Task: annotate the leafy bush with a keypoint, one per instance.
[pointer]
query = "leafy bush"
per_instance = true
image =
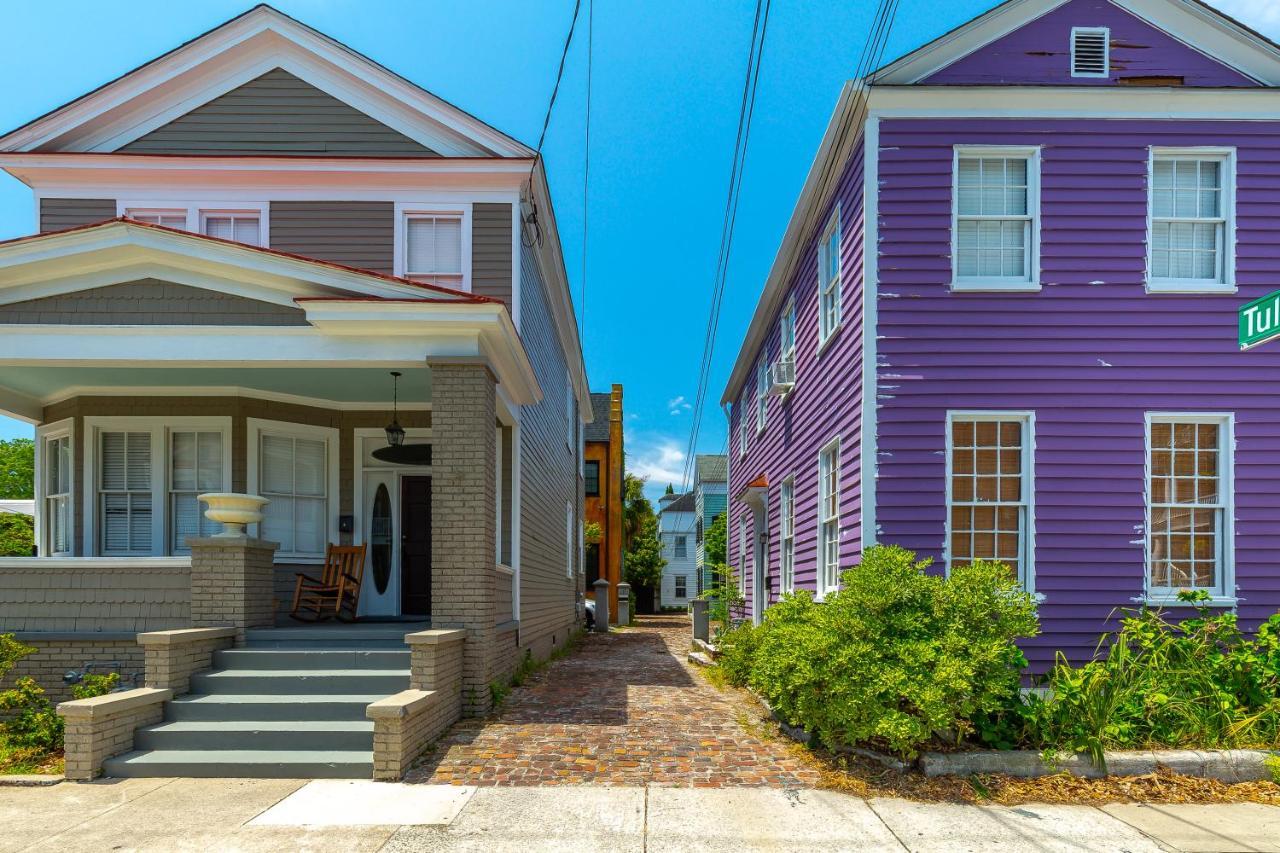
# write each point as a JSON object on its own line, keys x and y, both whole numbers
{"x": 893, "y": 658}
{"x": 1154, "y": 683}
{"x": 34, "y": 725}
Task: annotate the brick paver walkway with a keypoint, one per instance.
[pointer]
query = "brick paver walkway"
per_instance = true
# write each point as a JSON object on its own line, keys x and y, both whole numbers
{"x": 622, "y": 709}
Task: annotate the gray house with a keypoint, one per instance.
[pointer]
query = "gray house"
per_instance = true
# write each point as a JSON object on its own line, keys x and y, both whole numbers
{"x": 238, "y": 244}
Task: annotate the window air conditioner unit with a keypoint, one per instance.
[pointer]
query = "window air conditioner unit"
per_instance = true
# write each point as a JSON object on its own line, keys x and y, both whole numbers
{"x": 782, "y": 376}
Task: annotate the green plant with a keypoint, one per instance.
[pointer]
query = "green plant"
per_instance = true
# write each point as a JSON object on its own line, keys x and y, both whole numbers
{"x": 1272, "y": 763}
{"x": 33, "y": 723}
{"x": 17, "y": 535}
{"x": 894, "y": 657}
{"x": 92, "y": 685}
{"x": 17, "y": 468}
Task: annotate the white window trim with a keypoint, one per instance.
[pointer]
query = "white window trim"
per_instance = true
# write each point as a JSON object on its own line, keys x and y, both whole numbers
{"x": 160, "y": 428}
{"x": 786, "y": 511}
{"x": 569, "y": 518}
{"x": 58, "y": 429}
{"x": 427, "y": 207}
{"x": 821, "y": 586}
{"x": 1227, "y": 156}
{"x": 1106, "y": 51}
{"x": 1029, "y": 283}
{"x": 1225, "y": 595}
{"x": 762, "y": 392}
{"x": 833, "y": 224}
{"x": 788, "y": 317}
{"x": 744, "y": 548}
{"x": 1028, "y": 417}
{"x": 741, "y": 410}
{"x": 254, "y": 428}
{"x": 197, "y": 210}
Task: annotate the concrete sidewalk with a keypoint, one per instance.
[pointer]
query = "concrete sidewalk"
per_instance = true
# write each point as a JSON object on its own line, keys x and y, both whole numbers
{"x": 248, "y": 815}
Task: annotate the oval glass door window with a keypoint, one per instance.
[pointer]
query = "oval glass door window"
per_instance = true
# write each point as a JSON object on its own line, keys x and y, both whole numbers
{"x": 380, "y": 539}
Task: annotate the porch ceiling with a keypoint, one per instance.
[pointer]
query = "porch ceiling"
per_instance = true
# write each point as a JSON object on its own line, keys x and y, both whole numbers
{"x": 343, "y": 385}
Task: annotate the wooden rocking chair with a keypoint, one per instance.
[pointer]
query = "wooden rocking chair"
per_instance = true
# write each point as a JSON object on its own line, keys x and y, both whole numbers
{"x": 337, "y": 592}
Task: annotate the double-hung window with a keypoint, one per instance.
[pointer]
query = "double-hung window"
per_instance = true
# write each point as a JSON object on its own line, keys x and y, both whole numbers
{"x": 682, "y": 586}
{"x": 294, "y": 468}
{"x": 125, "y": 493}
{"x": 741, "y": 410}
{"x": 1191, "y": 207}
{"x": 242, "y": 226}
{"x": 787, "y": 525}
{"x": 57, "y": 483}
{"x": 680, "y": 547}
{"x": 829, "y": 518}
{"x": 1189, "y": 493}
{"x": 195, "y": 468}
{"x": 989, "y": 467}
{"x": 591, "y": 478}
{"x": 829, "y": 279}
{"x": 241, "y": 222}
{"x": 762, "y": 393}
{"x": 744, "y": 552}
{"x": 995, "y": 219}
{"x": 433, "y": 248}
{"x": 787, "y": 332}
{"x": 168, "y": 217}
{"x": 569, "y": 524}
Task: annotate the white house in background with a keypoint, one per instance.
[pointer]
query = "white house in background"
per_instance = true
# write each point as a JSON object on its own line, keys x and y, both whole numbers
{"x": 18, "y": 506}
{"x": 677, "y": 521}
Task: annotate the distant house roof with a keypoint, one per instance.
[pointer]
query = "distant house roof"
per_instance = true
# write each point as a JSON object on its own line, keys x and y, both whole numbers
{"x": 598, "y": 429}
{"x": 711, "y": 468}
{"x": 684, "y": 503}
{"x": 18, "y": 507}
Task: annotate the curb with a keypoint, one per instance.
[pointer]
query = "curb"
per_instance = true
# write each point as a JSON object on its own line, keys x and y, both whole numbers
{"x": 30, "y": 780}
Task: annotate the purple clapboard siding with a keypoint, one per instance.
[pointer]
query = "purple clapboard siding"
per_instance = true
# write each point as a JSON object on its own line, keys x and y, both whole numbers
{"x": 1039, "y": 53}
{"x": 825, "y": 403}
{"x": 1089, "y": 354}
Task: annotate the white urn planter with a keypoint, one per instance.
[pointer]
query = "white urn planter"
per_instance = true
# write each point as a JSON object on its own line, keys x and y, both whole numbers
{"x": 233, "y": 511}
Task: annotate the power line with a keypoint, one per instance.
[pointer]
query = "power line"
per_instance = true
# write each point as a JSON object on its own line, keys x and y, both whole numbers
{"x": 586, "y": 171}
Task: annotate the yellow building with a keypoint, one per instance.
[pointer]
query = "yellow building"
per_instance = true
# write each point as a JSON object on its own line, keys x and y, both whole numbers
{"x": 603, "y": 467}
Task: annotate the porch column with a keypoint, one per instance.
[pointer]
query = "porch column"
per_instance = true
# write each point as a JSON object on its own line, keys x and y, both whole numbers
{"x": 232, "y": 583}
{"x": 463, "y": 512}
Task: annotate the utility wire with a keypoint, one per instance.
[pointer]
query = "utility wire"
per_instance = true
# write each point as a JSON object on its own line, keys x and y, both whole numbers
{"x": 586, "y": 171}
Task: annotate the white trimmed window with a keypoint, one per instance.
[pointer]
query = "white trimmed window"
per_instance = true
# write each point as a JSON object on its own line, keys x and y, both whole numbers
{"x": 787, "y": 529}
{"x": 741, "y": 409}
{"x": 57, "y": 481}
{"x": 242, "y": 226}
{"x": 433, "y": 248}
{"x": 829, "y": 518}
{"x": 169, "y": 218}
{"x": 682, "y": 586}
{"x": 989, "y": 490}
{"x": 568, "y": 538}
{"x": 294, "y": 467}
{"x": 744, "y": 552}
{"x": 762, "y": 393}
{"x": 829, "y": 279}
{"x": 787, "y": 332}
{"x": 1190, "y": 485}
{"x": 195, "y": 468}
{"x": 1192, "y": 220}
{"x": 995, "y": 219}
{"x": 144, "y": 475}
{"x": 243, "y": 222}
{"x": 680, "y": 547}
{"x": 1090, "y": 52}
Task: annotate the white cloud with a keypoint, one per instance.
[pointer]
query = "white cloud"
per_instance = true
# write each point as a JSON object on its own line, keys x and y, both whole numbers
{"x": 1262, "y": 15}
{"x": 678, "y": 405}
{"x": 659, "y": 459}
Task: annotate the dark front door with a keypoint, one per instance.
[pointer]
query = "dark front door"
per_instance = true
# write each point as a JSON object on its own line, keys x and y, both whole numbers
{"x": 415, "y": 546}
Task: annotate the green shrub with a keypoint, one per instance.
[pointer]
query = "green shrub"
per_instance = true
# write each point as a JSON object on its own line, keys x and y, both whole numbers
{"x": 95, "y": 685}
{"x": 34, "y": 723}
{"x": 1197, "y": 683}
{"x": 893, "y": 658}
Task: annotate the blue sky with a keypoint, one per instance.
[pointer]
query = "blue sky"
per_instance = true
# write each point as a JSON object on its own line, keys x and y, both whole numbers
{"x": 667, "y": 77}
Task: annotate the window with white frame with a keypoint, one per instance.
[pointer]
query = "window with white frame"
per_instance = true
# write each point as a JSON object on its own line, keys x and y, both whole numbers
{"x": 744, "y": 552}
{"x": 433, "y": 248}
{"x": 168, "y": 217}
{"x": 568, "y": 538}
{"x": 762, "y": 392}
{"x": 989, "y": 493}
{"x": 293, "y": 474}
{"x": 682, "y": 586}
{"x": 1189, "y": 490}
{"x": 242, "y": 226}
{"x": 995, "y": 219}
{"x": 57, "y": 480}
{"x": 125, "y": 491}
{"x": 829, "y": 518}
{"x": 680, "y": 547}
{"x": 1191, "y": 211}
{"x": 741, "y": 410}
{"x": 787, "y": 332}
{"x": 829, "y": 279}
{"x": 787, "y": 529}
{"x": 195, "y": 468}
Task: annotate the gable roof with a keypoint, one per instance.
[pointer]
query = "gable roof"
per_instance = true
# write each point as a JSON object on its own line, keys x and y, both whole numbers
{"x": 683, "y": 503}
{"x": 598, "y": 428}
{"x": 236, "y": 52}
{"x": 1192, "y": 22}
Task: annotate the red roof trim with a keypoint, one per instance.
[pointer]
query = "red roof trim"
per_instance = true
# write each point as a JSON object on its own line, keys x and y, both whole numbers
{"x": 380, "y": 299}
{"x": 462, "y": 295}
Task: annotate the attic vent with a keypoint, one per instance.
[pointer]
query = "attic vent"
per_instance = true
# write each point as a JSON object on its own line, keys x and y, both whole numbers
{"x": 1090, "y": 51}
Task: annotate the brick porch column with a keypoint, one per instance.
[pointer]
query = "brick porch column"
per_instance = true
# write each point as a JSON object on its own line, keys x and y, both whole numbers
{"x": 232, "y": 583}
{"x": 463, "y": 508}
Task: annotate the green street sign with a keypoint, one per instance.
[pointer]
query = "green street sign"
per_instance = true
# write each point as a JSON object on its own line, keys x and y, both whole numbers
{"x": 1260, "y": 321}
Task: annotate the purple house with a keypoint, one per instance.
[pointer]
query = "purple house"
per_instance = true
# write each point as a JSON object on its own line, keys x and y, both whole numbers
{"x": 1002, "y": 322}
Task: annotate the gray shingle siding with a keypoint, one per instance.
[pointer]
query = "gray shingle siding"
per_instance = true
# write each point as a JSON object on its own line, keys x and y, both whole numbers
{"x": 491, "y": 251}
{"x": 59, "y": 214}
{"x": 277, "y": 113}
{"x": 355, "y": 233}
{"x": 150, "y": 302}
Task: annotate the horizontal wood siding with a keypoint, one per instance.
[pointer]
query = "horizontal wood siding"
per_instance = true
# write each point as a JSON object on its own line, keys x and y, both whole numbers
{"x": 548, "y": 475}
{"x": 59, "y": 214}
{"x": 491, "y": 248}
{"x": 826, "y": 403}
{"x": 1040, "y": 53}
{"x": 355, "y": 233}
{"x": 1089, "y": 354}
{"x": 277, "y": 113}
{"x": 150, "y": 302}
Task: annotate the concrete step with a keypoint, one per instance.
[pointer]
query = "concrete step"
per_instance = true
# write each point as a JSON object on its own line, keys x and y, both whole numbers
{"x": 246, "y": 764}
{"x": 257, "y": 735}
{"x": 270, "y": 707}
{"x": 360, "y": 635}
{"x": 700, "y": 659}
{"x": 297, "y": 681}
{"x": 313, "y": 658}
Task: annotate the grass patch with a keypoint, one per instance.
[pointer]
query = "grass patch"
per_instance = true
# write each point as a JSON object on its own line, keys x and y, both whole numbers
{"x": 18, "y": 761}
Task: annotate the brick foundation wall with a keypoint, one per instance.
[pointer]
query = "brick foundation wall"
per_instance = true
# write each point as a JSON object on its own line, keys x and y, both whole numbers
{"x": 56, "y": 657}
{"x": 405, "y": 724}
{"x": 172, "y": 657}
